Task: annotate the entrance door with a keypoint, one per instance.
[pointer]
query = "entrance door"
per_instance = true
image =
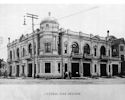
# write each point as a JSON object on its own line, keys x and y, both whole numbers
{"x": 103, "y": 69}
{"x": 17, "y": 70}
{"x": 75, "y": 69}
{"x": 114, "y": 69}
{"x": 29, "y": 70}
{"x": 86, "y": 69}
{"x": 10, "y": 71}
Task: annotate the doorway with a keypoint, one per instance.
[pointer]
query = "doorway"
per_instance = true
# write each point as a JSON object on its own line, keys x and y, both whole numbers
{"x": 103, "y": 70}
{"x": 75, "y": 69}
{"x": 17, "y": 70}
{"x": 86, "y": 69}
{"x": 30, "y": 70}
{"x": 114, "y": 69}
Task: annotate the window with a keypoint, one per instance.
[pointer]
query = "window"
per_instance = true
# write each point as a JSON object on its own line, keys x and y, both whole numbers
{"x": 94, "y": 51}
{"x": 65, "y": 48}
{"x": 47, "y": 25}
{"x": 95, "y": 68}
{"x": 47, "y": 68}
{"x": 75, "y": 47}
{"x": 30, "y": 48}
{"x": 10, "y": 54}
{"x": 109, "y": 68}
{"x": 65, "y": 67}
{"x": 59, "y": 67}
{"x": 24, "y": 52}
{"x": 86, "y": 49}
{"x": 103, "y": 51}
{"x": 122, "y": 57}
{"x": 22, "y": 69}
{"x": 109, "y": 52}
{"x": 18, "y": 52}
{"x": 47, "y": 47}
{"x": 121, "y": 48}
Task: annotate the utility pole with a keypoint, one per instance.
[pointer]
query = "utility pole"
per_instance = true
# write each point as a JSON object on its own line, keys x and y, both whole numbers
{"x": 32, "y": 16}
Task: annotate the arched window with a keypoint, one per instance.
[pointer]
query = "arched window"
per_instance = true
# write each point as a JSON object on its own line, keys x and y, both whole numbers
{"x": 18, "y": 52}
{"x": 30, "y": 48}
{"x": 75, "y": 47}
{"x": 103, "y": 51}
{"x": 86, "y": 49}
{"x": 10, "y": 54}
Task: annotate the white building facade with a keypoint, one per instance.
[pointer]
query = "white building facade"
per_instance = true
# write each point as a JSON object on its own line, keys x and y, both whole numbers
{"x": 51, "y": 51}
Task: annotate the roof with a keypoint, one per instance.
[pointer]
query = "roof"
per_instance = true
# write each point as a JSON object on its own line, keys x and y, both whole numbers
{"x": 49, "y": 20}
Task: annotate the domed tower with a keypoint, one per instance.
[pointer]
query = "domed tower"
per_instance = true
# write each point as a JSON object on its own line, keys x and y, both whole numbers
{"x": 49, "y": 28}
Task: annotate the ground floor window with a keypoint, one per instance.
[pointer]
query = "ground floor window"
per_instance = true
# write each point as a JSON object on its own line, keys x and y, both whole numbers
{"x": 95, "y": 68}
{"x": 23, "y": 69}
{"x": 47, "y": 68}
{"x": 109, "y": 68}
{"x": 65, "y": 67}
{"x": 59, "y": 67}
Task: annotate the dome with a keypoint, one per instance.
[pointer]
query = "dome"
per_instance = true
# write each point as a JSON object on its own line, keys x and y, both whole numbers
{"x": 49, "y": 20}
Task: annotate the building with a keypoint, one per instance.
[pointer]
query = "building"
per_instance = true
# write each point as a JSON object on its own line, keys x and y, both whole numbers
{"x": 51, "y": 51}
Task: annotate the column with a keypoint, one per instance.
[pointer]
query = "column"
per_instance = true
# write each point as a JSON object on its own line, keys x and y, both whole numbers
{"x": 81, "y": 68}
{"x": 119, "y": 68}
{"x": 26, "y": 69}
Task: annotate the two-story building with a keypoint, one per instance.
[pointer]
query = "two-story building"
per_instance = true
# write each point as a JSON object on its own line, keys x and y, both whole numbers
{"x": 50, "y": 51}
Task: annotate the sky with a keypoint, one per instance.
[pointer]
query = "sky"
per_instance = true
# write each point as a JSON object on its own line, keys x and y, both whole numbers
{"x": 88, "y": 18}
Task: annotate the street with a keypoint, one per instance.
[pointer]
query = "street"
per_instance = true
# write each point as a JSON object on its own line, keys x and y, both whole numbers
{"x": 115, "y": 80}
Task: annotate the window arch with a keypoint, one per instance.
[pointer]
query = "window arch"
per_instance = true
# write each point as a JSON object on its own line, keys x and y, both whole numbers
{"x": 18, "y": 52}
{"x": 86, "y": 49}
{"x": 30, "y": 48}
{"x": 103, "y": 51}
{"x": 75, "y": 47}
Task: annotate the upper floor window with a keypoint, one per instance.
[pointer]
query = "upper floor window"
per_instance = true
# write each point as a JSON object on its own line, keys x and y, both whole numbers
{"x": 86, "y": 49}
{"x": 30, "y": 48}
{"x": 109, "y": 52}
{"x": 47, "y": 25}
{"x": 65, "y": 47}
{"x": 94, "y": 51}
{"x": 10, "y": 54}
{"x": 24, "y": 52}
{"x": 47, "y": 47}
{"x": 114, "y": 51}
{"x": 122, "y": 57}
{"x": 103, "y": 51}
{"x": 18, "y": 52}
{"x": 121, "y": 48}
{"x": 75, "y": 47}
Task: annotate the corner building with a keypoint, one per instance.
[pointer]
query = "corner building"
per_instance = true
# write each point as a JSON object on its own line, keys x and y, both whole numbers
{"x": 50, "y": 51}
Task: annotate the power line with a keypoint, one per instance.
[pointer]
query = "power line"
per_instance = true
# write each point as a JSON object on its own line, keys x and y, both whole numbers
{"x": 73, "y": 14}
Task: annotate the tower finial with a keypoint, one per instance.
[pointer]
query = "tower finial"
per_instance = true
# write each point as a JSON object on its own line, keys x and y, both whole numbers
{"x": 107, "y": 33}
{"x": 49, "y": 13}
